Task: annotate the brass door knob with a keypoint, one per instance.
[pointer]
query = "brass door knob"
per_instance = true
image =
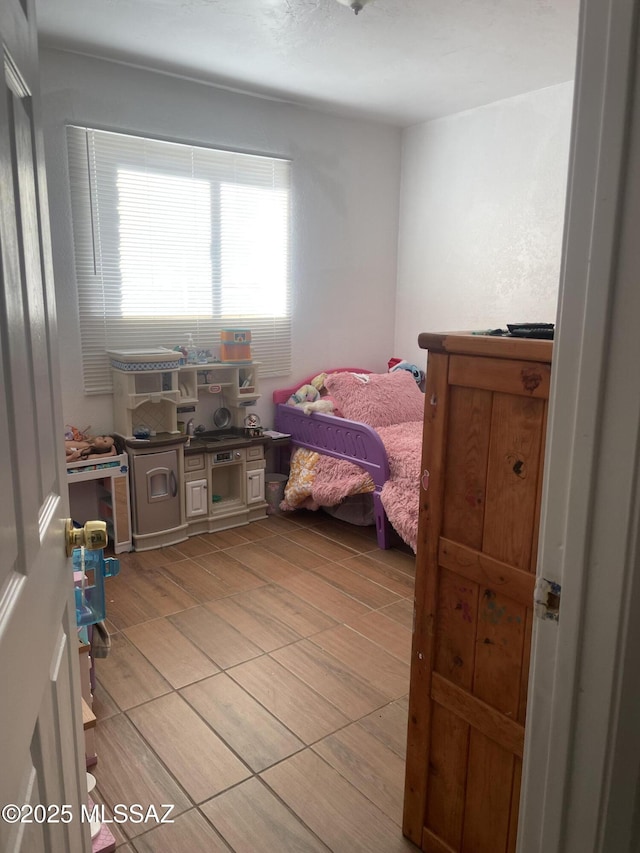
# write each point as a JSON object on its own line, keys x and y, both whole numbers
{"x": 93, "y": 536}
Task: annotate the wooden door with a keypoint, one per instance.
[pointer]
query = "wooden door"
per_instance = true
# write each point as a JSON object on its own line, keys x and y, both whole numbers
{"x": 40, "y": 716}
{"x": 483, "y": 451}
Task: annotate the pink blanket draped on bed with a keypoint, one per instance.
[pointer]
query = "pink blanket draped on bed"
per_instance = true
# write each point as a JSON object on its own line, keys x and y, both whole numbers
{"x": 335, "y": 479}
{"x": 401, "y": 493}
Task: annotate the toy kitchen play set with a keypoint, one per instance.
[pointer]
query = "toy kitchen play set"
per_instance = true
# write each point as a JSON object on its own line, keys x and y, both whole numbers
{"x": 189, "y": 477}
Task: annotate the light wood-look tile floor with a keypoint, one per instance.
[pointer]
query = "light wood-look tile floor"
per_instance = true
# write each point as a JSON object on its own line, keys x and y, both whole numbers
{"x": 258, "y": 682}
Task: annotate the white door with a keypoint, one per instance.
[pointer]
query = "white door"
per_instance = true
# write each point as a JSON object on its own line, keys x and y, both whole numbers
{"x": 40, "y": 716}
{"x": 581, "y": 777}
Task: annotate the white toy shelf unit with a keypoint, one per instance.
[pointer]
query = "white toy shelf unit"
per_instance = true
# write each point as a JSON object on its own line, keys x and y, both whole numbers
{"x": 149, "y": 386}
{"x": 110, "y": 476}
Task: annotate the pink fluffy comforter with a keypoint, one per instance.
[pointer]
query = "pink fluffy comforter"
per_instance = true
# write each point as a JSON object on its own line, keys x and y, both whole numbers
{"x": 335, "y": 479}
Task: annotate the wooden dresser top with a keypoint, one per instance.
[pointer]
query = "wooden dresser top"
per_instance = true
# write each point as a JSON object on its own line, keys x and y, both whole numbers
{"x": 466, "y": 343}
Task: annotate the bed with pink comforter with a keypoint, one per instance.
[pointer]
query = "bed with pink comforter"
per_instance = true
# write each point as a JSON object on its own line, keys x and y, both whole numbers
{"x": 375, "y": 448}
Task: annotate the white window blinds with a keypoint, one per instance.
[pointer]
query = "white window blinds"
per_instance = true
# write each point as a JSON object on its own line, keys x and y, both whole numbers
{"x": 172, "y": 239}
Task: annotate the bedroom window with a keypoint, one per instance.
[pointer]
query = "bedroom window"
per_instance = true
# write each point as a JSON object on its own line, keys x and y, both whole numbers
{"x": 172, "y": 239}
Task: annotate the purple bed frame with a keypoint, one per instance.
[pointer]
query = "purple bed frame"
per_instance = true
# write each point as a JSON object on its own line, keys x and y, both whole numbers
{"x": 344, "y": 439}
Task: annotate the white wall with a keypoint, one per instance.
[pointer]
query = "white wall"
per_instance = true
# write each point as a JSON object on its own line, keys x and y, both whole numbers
{"x": 346, "y": 178}
{"x": 481, "y": 217}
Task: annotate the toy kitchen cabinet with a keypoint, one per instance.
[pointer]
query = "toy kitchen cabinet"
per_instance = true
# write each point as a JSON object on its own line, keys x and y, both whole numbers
{"x": 184, "y": 487}
{"x": 179, "y": 491}
{"x": 224, "y": 483}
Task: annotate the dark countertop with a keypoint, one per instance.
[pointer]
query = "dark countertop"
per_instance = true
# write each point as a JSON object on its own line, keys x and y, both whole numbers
{"x": 199, "y": 444}
{"x": 162, "y": 439}
{"x": 208, "y": 442}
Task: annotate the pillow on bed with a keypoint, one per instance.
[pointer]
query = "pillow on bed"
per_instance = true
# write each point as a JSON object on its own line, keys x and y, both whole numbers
{"x": 385, "y": 399}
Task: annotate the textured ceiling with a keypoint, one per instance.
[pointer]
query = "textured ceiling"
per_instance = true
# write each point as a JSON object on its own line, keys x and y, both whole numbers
{"x": 398, "y": 61}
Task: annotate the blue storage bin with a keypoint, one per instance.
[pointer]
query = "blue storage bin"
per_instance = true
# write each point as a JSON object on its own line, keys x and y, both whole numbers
{"x": 90, "y": 603}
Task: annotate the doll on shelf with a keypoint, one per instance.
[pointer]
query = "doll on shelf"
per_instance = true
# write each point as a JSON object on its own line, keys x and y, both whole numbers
{"x": 100, "y": 445}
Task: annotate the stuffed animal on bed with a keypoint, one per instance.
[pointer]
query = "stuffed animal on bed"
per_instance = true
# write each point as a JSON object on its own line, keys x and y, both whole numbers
{"x": 414, "y": 370}
{"x": 325, "y": 406}
{"x": 308, "y": 399}
{"x": 318, "y": 382}
{"x": 305, "y": 394}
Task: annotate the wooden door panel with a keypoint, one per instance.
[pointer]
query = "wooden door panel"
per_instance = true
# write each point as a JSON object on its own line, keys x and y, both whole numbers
{"x": 515, "y": 806}
{"x": 508, "y": 376}
{"x": 498, "y": 658}
{"x": 466, "y": 465}
{"x": 447, "y": 776}
{"x": 456, "y": 617}
{"x": 479, "y": 714}
{"x": 487, "y": 571}
{"x": 512, "y": 478}
{"x": 434, "y": 844}
{"x": 426, "y": 591}
{"x": 488, "y": 796}
{"x": 526, "y": 661}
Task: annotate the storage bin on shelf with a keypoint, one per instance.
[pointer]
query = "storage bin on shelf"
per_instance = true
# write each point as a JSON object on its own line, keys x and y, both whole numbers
{"x": 140, "y": 360}
{"x": 235, "y": 345}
